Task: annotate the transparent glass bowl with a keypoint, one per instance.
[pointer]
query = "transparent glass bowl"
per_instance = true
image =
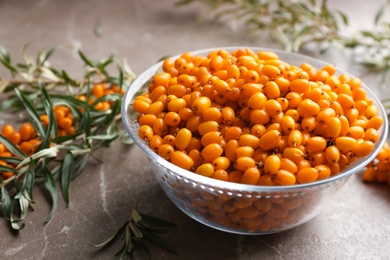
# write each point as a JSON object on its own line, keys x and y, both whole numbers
{"x": 240, "y": 208}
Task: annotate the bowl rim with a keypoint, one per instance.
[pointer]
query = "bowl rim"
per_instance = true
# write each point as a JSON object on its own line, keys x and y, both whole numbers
{"x": 197, "y": 179}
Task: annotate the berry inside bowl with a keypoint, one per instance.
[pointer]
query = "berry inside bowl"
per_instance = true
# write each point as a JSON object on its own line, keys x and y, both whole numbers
{"x": 300, "y": 129}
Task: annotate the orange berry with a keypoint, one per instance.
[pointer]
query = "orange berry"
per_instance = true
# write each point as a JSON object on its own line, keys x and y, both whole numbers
{"x": 7, "y": 130}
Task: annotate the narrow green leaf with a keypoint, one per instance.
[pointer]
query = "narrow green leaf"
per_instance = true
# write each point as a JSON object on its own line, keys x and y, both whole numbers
{"x": 4, "y": 168}
{"x": 66, "y": 175}
{"x": 68, "y": 79}
{"x": 135, "y": 229}
{"x": 10, "y": 159}
{"x": 11, "y": 147}
{"x": 135, "y": 216}
{"x": 158, "y": 241}
{"x": 85, "y": 59}
{"x": 24, "y": 206}
{"x": 112, "y": 238}
{"x": 4, "y": 52}
{"x": 28, "y": 182}
{"x": 103, "y": 137}
{"x": 52, "y": 126}
{"x": 15, "y": 224}
{"x": 81, "y": 165}
{"x": 46, "y": 55}
{"x": 157, "y": 221}
{"x": 52, "y": 188}
{"x": 98, "y": 30}
{"x": 32, "y": 112}
{"x": 6, "y": 203}
{"x": 44, "y": 153}
{"x": 343, "y": 17}
{"x": 120, "y": 80}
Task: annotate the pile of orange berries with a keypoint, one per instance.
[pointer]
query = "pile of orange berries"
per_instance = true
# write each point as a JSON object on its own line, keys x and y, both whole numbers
{"x": 26, "y": 137}
{"x": 379, "y": 169}
{"x": 252, "y": 118}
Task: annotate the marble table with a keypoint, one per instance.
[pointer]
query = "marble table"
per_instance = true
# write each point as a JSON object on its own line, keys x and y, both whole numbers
{"x": 355, "y": 226}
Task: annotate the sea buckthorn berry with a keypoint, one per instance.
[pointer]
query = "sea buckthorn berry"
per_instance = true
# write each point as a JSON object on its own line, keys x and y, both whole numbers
{"x": 288, "y": 165}
{"x": 363, "y": 148}
{"x": 316, "y": 144}
{"x": 375, "y": 122}
{"x": 333, "y": 127}
{"x": 258, "y": 130}
{"x": 147, "y": 119}
{"x": 294, "y": 154}
{"x": 200, "y": 104}
{"x": 211, "y": 152}
{"x": 332, "y": 154}
{"x": 251, "y": 175}
{"x": 288, "y": 124}
{"x": 355, "y": 132}
{"x": 227, "y": 115}
{"x": 299, "y": 85}
{"x": 308, "y": 123}
{"x": 211, "y": 137}
{"x": 244, "y": 151}
{"x": 269, "y": 140}
{"x": 220, "y": 175}
{"x": 221, "y": 86}
{"x": 221, "y": 163}
{"x": 206, "y": 169}
{"x": 271, "y": 90}
{"x": 244, "y": 163}
{"x": 294, "y": 139}
{"x": 65, "y": 123}
{"x": 324, "y": 115}
{"x": 160, "y": 127}
{"x": 212, "y": 114}
{"x": 140, "y": 106}
{"x": 208, "y": 126}
{"x": 183, "y": 138}
{"x": 345, "y": 143}
{"x": 252, "y": 76}
{"x": 272, "y": 107}
{"x": 307, "y": 175}
{"x": 294, "y": 99}
{"x": 270, "y": 71}
{"x": 26, "y": 131}
{"x": 308, "y": 108}
{"x": 155, "y": 142}
{"x": 182, "y": 160}
{"x": 15, "y": 138}
{"x": 233, "y": 132}
{"x": 230, "y": 149}
{"x": 249, "y": 140}
{"x": 272, "y": 164}
{"x": 259, "y": 116}
{"x": 193, "y": 123}
{"x": 257, "y": 101}
{"x": 251, "y": 88}
{"x": 323, "y": 171}
{"x": 372, "y": 135}
{"x": 146, "y": 132}
{"x": 284, "y": 177}
{"x": 196, "y": 156}
{"x": 346, "y": 101}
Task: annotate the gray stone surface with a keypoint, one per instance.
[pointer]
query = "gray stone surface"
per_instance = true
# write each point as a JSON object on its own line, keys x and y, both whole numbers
{"x": 355, "y": 226}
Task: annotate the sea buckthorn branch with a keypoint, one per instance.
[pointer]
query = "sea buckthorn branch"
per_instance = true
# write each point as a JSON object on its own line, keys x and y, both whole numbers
{"x": 139, "y": 231}
{"x": 299, "y": 24}
{"x": 68, "y": 120}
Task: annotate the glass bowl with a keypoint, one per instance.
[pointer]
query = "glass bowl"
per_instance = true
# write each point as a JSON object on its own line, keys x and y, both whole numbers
{"x": 240, "y": 208}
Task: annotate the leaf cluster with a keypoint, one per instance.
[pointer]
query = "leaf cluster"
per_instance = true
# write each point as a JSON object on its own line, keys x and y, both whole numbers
{"x": 139, "y": 231}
